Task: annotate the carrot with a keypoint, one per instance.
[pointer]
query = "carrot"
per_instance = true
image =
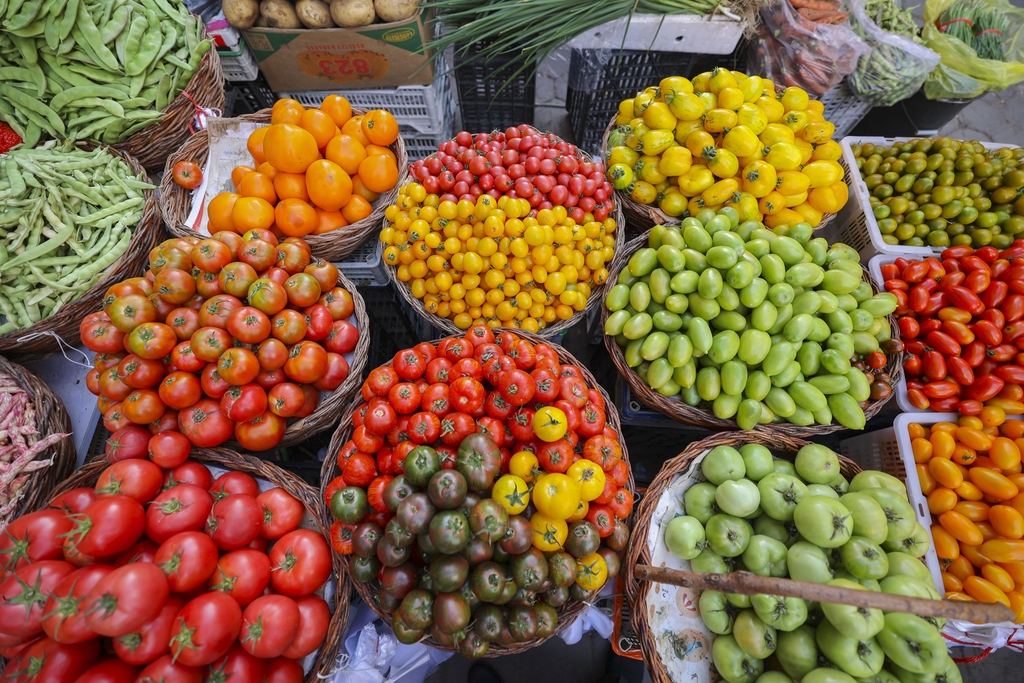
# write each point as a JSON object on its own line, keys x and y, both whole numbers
{"x": 820, "y": 15}
{"x": 822, "y": 5}
{"x": 837, "y": 18}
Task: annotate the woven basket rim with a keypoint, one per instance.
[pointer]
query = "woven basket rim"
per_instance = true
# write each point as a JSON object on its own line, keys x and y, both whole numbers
{"x": 571, "y": 610}
{"x": 679, "y": 411}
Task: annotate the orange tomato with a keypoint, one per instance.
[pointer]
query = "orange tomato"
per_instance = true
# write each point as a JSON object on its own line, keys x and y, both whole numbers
{"x": 924, "y": 475}
{"x": 380, "y": 127}
{"x": 1017, "y": 605}
{"x": 1004, "y": 550}
{"x": 338, "y": 108}
{"x": 961, "y": 528}
{"x": 287, "y": 111}
{"x": 957, "y": 595}
{"x": 997, "y": 576}
{"x": 356, "y": 209}
{"x": 941, "y": 500}
{"x": 1011, "y": 392}
{"x": 1017, "y": 503}
{"x": 291, "y": 186}
{"x": 250, "y": 213}
{"x": 267, "y": 169}
{"x": 329, "y": 220}
{"x": 1012, "y": 429}
{"x": 962, "y": 455}
{"x": 993, "y": 483}
{"x": 377, "y": 149}
{"x": 290, "y": 148}
{"x": 973, "y": 510}
{"x": 219, "y": 210}
{"x": 984, "y": 591}
{"x": 971, "y": 421}
{"x": 258, "y": 185}
{"x": 1015, "y": 570}
{"x": 917, "y": 431}
{"x": 946, "y": 546}
{"x": 354, "y": 127}
{"x": 379, "y": 173}
{"x": 992, "y": 416}
{"x": 960, "y": 567}
{"x": 1007, "y": 521}
{"x": 922, "y": 449}
{"x": 347, "y": 152}
{"x": 360, "y": 189}
{"x": 295, "y": 218}
{"x": 1004, "y": 453}
{"x": 968, "y": 491}
{"x": 328, "y": 185}
{"x": 950, "y": 427}
{"x": 255, "y": 144}
{"x": 951, "y": 583}
{"x": 973, "y": 555}
{"x": 987, "y": 532}
{"x": 942, "y": 444}
{"x": 945, "y": 472}
{"x": 974, "y": 438}
{"x": 319, "y": 125}
{"x": 239, "y": 172}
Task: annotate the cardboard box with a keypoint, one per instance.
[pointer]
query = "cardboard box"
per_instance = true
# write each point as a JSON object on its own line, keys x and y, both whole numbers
{"x": 373, "y": 56}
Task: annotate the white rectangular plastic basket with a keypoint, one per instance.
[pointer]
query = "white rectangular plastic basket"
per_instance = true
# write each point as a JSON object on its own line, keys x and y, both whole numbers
{"x": 239, "y": 65}
{"x": 365, "y": 266}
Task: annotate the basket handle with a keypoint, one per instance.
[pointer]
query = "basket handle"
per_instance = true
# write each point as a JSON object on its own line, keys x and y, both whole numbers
{"x": 747, "y": 583}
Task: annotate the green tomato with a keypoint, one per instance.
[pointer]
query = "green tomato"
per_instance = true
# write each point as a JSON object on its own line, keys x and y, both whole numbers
{"x": 738, "y": 498}
{"x": 909, "y": 586}
{"x": 780, "y": 494}
{"x": 827, "y": 676}
{"x": 823, "y": 521}
{"x": 902, "y": 564}
{"x": 784, "y": 467}
{"x": 840, "y": 485}
{"x": 684, "y": 537}
{"x": 738, "y": 600}
{"x": 808, "y": 562}
{"x": 699, "y": 501}
{"x": 727, "y": 535}
{"x": 912, "y": 643}
{"x": 816, "y": 464}
{"x": 754, "y": 637}
{"x": 711, "y": 562}
{"x": 784, "y": 532}
{"x": 723, "y": 463}
{"x": 949, "y": 673}
{"x": 797, "y": 652}
{"x": 785, "y": 614}
{"x": 717, "y": 613}
{"x": 859, "y": 623}
{"x": 822, "y": 490}
{"x": 864, "y": 559}
{"x": 774, "y": 677}
{"x": 765, "y": 556}
{"x": 734, "y": 665}
{"x": 758, "y": 461}
{"x": 870, "y": 584}
{"x": 916, "y": 544}
{"x": 873, "y": 479}
{"x": 884, "y": 676}
{"x": 868, "y": 516}
{"x": 859, "y": 658}
{"x": 899, "y": 516}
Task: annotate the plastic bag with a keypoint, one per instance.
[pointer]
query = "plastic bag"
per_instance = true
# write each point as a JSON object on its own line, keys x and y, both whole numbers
{"x": 896, "y": 67}
{"x": 793, "y": 51}
{"x": 962, "y": 73}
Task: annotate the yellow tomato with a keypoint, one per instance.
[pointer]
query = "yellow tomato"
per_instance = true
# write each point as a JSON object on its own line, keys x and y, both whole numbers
{"x": 657, "y": 141}
{"x": 794, "y": 99}
{"x": 674, "y": 86}
{"x": 810, "y": 214}
{"x": 591, "y": 572}
{"x": 829, "y": 199}
{"x": 643, "y": 192}
{"x": 759, "y": 178}
{"x": 684, "y": 129}
{"x": 580, "y": 513}
{"x": 751, "y": 87}
{"x": 772, "y": 203}
{"x": 686, "y": 107}
{"x": 730, "y": 98}
{"x": 746, "y": 205}
{"x": 720, "y": 79}
{"x": 753, "y": 117}
{"x": 695, "y": 181}
{"x": 549, "y": 534}
{"x": 795, "y": 120}
{"x": 673, "y": 203}
{"x": 648, "y": 167}
{"x": 722, "y": 162}
{"x": 784, "y": 217}
{"x": 589, "y": 477}
{"x": 822, "y": 173}
{"x": 550, "y": 424}
{"x": 512, "y": 492}
{"x": 720, "y": 192}
{"x": 818, "y": 133}
{"x": 623, "y": 155}
{"x": 741, "y": 141}
{"x": 772, "y": 108}
{"x": 774, "y": 133}
{"x": 784, "y": 156}
{"x": 792, "y": 182}
{"x": 719, "y": 120}
{"x": 556, "y": 495}
{"x": 675, "y": 161}
{"x": 659, "y": 117}
{"x": 698, "y": 141}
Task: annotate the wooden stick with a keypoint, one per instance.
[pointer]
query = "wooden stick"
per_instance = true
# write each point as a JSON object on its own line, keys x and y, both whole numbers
{"x": 752, "y": 584}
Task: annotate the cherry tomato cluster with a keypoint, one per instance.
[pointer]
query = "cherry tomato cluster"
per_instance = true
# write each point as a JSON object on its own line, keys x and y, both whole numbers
{"x": 223, "y": 337}
{"x": 162, "y": 572}
{"x": 520, "y": 162}
{"x": 961, "y": 319}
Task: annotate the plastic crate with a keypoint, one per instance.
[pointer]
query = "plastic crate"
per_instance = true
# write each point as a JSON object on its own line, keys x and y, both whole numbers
{"x": 250, "y": 96}
{"x": 240, "y": 64}
{"x": 843, "y": 109}
{"x": 365, "y": 266}
{"x": 486, "y": 101}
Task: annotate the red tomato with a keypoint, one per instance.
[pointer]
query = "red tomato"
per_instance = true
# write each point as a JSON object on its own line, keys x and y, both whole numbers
{"x": 143, "y": 551}
{"x": 33, "y": 537}
{"x": 236, "y": 665}
{"x": 248, "y": 325}
{"x": 242, "y": 574}
{"x": 47, "y": 660}
{"x": 517, "y": 387}
{"x": 307, "y": 362}
{"x": 208, "y": 343}
{"x": 211, "y": 255}
{"x": 111, "y": 385}
{"x": 111, "y": 670}
{"x": 261, "y": 433}
{"x": 231, "y": 483}
{"x": 205, "y": 629}
{"x": 169, "y": 449}
{"x": 455, "y": 427}
{"x": 140, "y": 373}
{"x": 405, "y": 398}
{"x": 520, "y": 423}
{"x": 424, "y": 428}
{"x": 152, "y": 340}
{"x": 409, "y": 364}
{"x": 319, "y": 322}
{"x": 342, "y": 338}
{"x": 184, "y": 507}
{"x": 189, "y": 175}
{"x": 301, "y": 562}
{"x": 335, "y": 375}
{"x": 166, "y": 670}
{"x": 284, "y": 670}
{"x": 269, "y": 625}
{"x": 555, "y": 456}
{"x": 480, "y": 334}
{"x": 189, "y": 472}
{"x": 23, "y": 596}
{"x": 108, "y": 526}
{"x": 182, "y": 358}
{"x": 215, "y": 312}
{"x": 125, "y": 599}
{"x": 380, "y": 419}
{"x": 314, "y": 619}
{"x": 180, "y": 390}
{"x": 238, "y": 366}
{"x": 72, "y": 501}
{"x": 64, "y": 616}
{"x": 601, "y": 517}
{"x": 285, "y": 399}
{"x": 101, "y": 336}
{"x": 235, "y": 521}
{"x": 187, "y": 559}
{"x": 143, "y": 406}
{"x": 439, "y": 370}
{"x": 282, "y": 512}
{"x": 204, "y": 424}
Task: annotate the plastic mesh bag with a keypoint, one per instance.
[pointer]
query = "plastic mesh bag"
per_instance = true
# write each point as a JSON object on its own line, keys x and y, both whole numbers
{"x": 793, "y": 51}
{"x": 962, "y": 73}
{"x": 896, "y": 67}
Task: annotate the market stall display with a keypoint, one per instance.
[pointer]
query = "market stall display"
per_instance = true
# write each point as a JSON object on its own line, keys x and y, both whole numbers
{"x": 76, "y": 218}
{"x": 334, "y": 200}
{"x": 434, "y": 503}
{"x": 724, "y": 139}
{"x": 227, "y": 569}
{"x": 256, "y": 333}
{"x": 730, "y": 325}
{"x": 509, "y": 229}
{"x": 314, "y": 14}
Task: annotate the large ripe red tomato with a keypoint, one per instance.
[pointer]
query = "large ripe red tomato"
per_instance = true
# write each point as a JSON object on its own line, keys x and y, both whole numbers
{"x": 238, "y": 366}
{"x": 169, "y": 449}
{"x": 152, "y": 340}
{"x": 325, "y": 273}
{"x": 215, "y": 312}
{"x": 288, "y": 326}
{"x": 180, "y": 390}
{"x": 282, "y": 512}
{"x": 208, "y": 343}
{"x": 248, "y": 325}
{"x": 342, "y": 338}
{"x": 47, "y": 660}
{"x": 236, "y": 665}
{"x": 271, "y": 353}
{"x": 125, "y": 599}
{"x": 339, "y": 301}
{"x": 143, "y": 551}
{"x": 140, "y": 373}
{"x": 213, "y": 384}
{"x": 205, "y": 629}
{"x": 136, "y": 478}
{"x": 166, "y": 670}
{"x": 244, "y": 403}
{"x": 189, "y": 472}
{"x": 211, "y": 255}
{"x": 182, "y": 358}
{"x": 268, "y": 296}
{"x": 127, "y": 443}
{"x": 152, "y": 639}
{"x": 311, "y": 399}
{"x": 64, "y": 613}
{"x": 131, "y": 310}
{"x": 301, "y": 562}
{"x": 314, "y": 618}
{"x": 205, "y": 424}
{"x": 111, "y": 385}
{"x": 23, "y": 596}
{"x": 33, "y": 537}
{"x": 286, "y": 399}
{"x": 108, "y": 526}
{"x": 307, "y": 362}
{"x": 284, "y": 670}
{"x": 110, "y": 670}
{"x": 235, "y": 521}
{"x": 230, "y": 483}
{"x": 71, "y": 501}
{"x": 242, "y": 574}
{"x": 258, "y": 253}
{"x": 336, "y": 374}
{"x": 174, "y": 285}
{"x": 318, "y": 322}
{"x": 101, "y": 336}
{"x": 187, "y": 559}
{"x": 184, "y": 507}
{"x": 143, "y": 406}
{"x": 184, "y": 321}
{"x": 269, "y": 625}
{"x": 262, "y": 433}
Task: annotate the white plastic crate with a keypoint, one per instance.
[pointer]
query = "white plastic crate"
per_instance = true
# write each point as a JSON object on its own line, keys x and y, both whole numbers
{"x": 240, "y": 65}
{"x": 711, "y": 35}
{"x": 365, "y": 266}
{"x": 843, "y": 109}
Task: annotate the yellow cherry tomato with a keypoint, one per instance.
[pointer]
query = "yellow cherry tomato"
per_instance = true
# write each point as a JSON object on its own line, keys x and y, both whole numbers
{"x": 580, "y": 513}
{"x": 589, "y": 477}
{"x": 549, "y": 534}
{"x": 512, "y": 492}
{"x": 550, "y": 424}
{"x": 556, "y": 495}
{"x": 591, "y": 572}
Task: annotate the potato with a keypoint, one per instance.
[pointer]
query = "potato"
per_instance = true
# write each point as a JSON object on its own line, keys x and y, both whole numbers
{"x": 396, "y": 10}
{"x": 351, "y": 13}
{"x": 241, "y": 13}
{"x": 279, "y": 14}
{"x": 314, "y": 14}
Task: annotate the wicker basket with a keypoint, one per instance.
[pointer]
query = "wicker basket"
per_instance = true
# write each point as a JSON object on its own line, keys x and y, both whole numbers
{"x": 152, "y": 145}
{"x": 567, "y": 613}
{"x": 64, "y": 324}
{"x": 638, "y": 553}
{"x": 176, "y": 202}
{"x": 641, "y": 217}
{"x": 679, "y": 411}
{"x": 51, "y": 418}
{"x": 306, "y": 494}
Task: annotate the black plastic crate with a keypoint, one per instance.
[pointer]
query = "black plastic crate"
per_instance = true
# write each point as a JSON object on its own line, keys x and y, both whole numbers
{"x": 487, "y": 103}
{"x": 392, "y": 329}
{"x": 249, "y": 96}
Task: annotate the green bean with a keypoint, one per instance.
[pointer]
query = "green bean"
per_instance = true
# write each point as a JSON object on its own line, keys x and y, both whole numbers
{"x": 136, "y": 31}
{"x": 31, "y": 106}
{"x": 113, "y": 28}
{"x": 67, "y": 21}
{"x": 72, "y": 95}
{"x": 91, "y": 34}
{"x": 13, "y": 8}
{"x": 27, "y": 48}
{"x": 33, "y": 30}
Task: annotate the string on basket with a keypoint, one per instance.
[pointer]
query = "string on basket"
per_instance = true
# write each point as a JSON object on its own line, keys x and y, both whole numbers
{"x": 199, "y": 119}
{"x": 64, "y": 347}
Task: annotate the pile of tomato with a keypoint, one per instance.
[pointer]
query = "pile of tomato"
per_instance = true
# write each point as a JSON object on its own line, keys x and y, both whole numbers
{"x": 483, "y": 487}
{"x": 161, "y": 572}
{"x": 519, "y": 162}
{"x": 961, "y": 320}
{"x": 224, "y": 337}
